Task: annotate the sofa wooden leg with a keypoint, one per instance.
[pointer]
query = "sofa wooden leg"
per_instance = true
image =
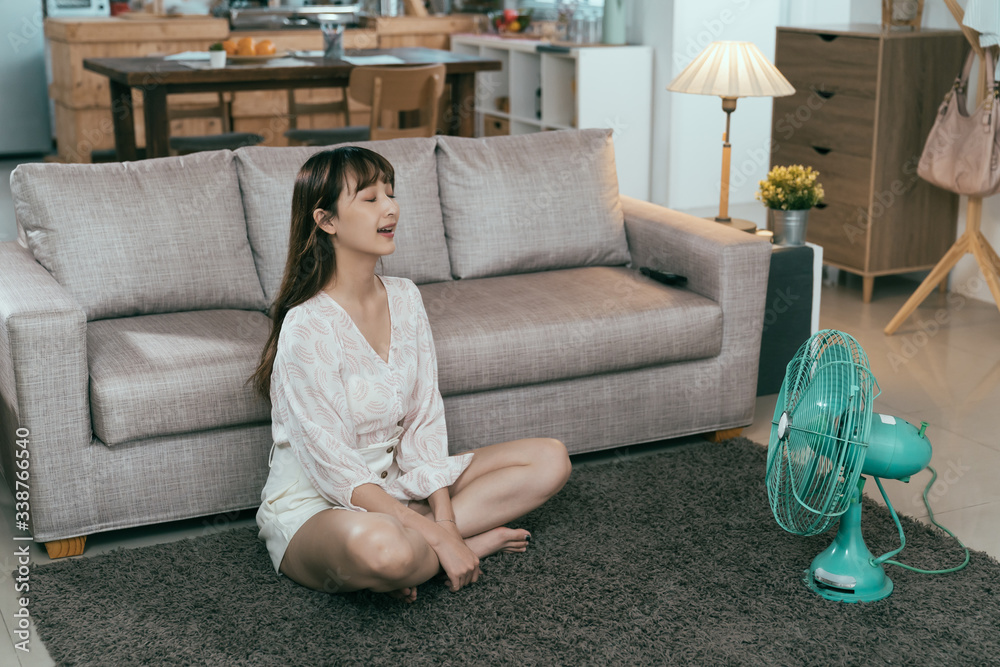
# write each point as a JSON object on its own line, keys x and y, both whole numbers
{"x": 71, "y": 546}
{"x": 719, "y": 436}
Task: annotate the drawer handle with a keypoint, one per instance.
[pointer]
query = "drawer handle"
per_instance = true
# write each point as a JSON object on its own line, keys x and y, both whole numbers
{"x": 827, "y": 37}
{"x": 825, "y": 94}
{"x": 822, "y": 150}
{"x": 821, "y": 205}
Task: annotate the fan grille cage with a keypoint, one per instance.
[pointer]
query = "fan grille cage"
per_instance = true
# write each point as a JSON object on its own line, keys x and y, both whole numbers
{"x": 820, "y": 432}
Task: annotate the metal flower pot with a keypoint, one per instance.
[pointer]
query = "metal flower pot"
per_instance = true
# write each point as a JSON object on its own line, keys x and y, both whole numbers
{"x": 789, "y": 227}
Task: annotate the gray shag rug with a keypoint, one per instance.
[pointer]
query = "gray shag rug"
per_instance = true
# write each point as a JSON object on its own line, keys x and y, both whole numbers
{"x": 666, "y": 558}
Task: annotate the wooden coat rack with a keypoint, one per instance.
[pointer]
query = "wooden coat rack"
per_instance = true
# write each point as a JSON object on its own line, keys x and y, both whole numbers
{"x": 972, "y": 240}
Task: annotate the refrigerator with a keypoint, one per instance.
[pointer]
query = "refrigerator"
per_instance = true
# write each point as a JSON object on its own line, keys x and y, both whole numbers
{"x": 24, "y": 102}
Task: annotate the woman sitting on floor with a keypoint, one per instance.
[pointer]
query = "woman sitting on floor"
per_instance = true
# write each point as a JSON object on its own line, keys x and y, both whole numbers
{"x": 357, "y": 417}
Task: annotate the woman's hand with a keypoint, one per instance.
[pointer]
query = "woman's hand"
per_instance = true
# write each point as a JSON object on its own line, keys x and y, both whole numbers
{"x": 458, "y": 561}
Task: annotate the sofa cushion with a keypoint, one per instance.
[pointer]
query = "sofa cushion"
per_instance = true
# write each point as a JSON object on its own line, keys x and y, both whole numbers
{"x": 267, "y": 175}
{"x": 531, "y": 202}
{"x": 515, "y": 330}
{"x": 174, "y": 373}
{"x": 144, "y": 237}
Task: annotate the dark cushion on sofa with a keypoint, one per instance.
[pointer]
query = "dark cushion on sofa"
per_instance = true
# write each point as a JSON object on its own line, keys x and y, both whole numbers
{"x": 523, "y": 329}
{"x": 174, "y": 373}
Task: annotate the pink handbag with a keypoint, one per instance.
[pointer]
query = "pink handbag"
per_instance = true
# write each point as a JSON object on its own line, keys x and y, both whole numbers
{"x": 962, "y": 152}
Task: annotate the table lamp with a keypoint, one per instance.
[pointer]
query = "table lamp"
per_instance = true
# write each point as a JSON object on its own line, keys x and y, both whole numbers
{"x": 731, "y": 70}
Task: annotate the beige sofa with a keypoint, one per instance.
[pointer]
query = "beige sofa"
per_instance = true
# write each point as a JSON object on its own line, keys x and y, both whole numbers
{"x": 133, "y": 309}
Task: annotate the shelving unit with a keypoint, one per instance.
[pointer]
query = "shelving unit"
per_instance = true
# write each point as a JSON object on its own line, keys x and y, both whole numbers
{"x": 587, "y": 87}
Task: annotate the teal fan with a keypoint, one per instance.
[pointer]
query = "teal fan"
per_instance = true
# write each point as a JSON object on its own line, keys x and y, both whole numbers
{"x": 823, "y": 439}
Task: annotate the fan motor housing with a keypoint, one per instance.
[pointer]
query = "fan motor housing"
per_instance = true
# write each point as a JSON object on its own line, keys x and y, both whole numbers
{"x": 896, "y": 449}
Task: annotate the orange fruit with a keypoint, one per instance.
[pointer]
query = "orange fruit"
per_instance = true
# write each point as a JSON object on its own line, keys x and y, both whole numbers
{"x": 265, "y": 47}
{"x": 245, "y": 47}
{"x": 230, "y": 47}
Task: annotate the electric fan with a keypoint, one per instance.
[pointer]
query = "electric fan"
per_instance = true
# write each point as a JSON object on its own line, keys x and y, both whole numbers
{"x": 823, "y": 439}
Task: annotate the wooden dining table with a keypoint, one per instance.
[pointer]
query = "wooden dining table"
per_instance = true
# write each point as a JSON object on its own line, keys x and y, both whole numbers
{"x": 157, "y": 78}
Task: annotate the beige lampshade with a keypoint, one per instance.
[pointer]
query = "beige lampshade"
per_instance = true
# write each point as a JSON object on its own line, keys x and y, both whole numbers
{"x": 732, "y": 69}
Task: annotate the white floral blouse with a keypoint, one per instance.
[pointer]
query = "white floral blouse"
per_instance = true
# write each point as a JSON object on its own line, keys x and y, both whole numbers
{"x": 332, "y": 394}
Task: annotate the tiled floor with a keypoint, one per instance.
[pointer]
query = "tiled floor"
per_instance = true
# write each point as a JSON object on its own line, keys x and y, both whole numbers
{"x": 948, "y": 376}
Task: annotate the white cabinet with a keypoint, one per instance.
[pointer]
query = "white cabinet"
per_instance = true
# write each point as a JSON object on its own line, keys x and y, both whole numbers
{"x": 585, "y": 87}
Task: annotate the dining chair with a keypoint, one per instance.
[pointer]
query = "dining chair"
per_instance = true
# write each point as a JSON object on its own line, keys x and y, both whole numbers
{"x": 391, "y": 88}
{"x": 400, "y": 89}
{"x": 185, "y": 145}
{"x": 304, "y": 136}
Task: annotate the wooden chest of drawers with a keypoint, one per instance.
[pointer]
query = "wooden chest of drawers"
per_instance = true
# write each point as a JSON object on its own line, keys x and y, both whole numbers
{"x": 864, "y": 104}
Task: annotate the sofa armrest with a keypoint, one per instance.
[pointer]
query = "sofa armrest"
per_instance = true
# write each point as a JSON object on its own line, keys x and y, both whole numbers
{"x": 43, "y": 386}
{"x": 725, "y": 265}
{"x": 713, "y": 257}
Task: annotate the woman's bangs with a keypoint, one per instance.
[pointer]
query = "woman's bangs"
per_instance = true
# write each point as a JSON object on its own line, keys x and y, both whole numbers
{"x": 369, "y": 168}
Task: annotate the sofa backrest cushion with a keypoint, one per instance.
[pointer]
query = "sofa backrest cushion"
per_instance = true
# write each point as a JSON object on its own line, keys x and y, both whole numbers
{"x": 531, "y": 202}
{"x": 135, "y": 238}
{"x": 267, "y": 176}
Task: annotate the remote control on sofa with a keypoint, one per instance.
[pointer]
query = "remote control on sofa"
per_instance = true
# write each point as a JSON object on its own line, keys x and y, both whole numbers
{"x": 671, "y": 279}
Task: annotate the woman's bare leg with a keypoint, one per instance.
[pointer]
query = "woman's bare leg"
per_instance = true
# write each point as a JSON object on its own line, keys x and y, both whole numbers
{"x": 338, "y": 551}
{"x": 505, "y": 481}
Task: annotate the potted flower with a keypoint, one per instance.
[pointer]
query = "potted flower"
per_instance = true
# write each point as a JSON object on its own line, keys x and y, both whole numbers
{"x": 789, "y": 193}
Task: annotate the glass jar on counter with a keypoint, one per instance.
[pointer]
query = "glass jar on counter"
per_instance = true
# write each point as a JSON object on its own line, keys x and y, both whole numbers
{"x": 585, "y": 26}
{"x": 382, "y": 7}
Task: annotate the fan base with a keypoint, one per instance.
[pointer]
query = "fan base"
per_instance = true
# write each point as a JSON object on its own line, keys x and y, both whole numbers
{"x": 847, "y": 595}
{"x": 848, "y": 562}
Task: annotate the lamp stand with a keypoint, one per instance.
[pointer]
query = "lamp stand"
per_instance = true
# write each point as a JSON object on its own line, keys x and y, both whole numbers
{"x": 729, "y": 106}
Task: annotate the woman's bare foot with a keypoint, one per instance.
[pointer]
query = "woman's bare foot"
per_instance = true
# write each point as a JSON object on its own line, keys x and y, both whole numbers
{"x": 408, "y": 594}
{"x": 510, "y": 540}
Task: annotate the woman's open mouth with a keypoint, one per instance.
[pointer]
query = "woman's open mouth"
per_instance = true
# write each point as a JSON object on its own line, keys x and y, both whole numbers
{"x": 387, "y": 231}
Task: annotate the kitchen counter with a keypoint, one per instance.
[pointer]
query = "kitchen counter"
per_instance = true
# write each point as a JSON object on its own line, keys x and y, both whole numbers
{"x": 151, "y": 28}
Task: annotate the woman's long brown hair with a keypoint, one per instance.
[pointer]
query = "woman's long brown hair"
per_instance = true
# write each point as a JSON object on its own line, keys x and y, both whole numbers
{"x": 311, "y": 261}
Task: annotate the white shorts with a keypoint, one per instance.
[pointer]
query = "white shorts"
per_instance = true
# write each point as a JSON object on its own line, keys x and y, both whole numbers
{"x": 289, "y": 499}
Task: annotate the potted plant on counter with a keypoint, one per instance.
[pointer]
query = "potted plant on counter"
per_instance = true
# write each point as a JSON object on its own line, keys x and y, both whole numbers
{"x": 789, "y": 193}
{"x": 217, "y": 55}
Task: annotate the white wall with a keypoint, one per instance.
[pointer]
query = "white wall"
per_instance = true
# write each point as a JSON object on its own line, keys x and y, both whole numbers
{"x": 649, "y": 22}
{"x": 697, "y": 121}
{"x": 687, "y": 129}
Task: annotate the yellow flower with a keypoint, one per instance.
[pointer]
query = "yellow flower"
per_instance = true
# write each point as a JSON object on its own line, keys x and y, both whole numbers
{"x": 791, "y": 187}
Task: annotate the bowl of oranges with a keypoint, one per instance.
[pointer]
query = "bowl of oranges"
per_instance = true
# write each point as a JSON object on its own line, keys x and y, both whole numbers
{"x": 246, "y": 49}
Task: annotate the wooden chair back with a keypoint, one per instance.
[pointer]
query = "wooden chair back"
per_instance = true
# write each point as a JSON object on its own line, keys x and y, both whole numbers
{"x": 295, "y": 108}
{"x": 399, "y": 89}
{"x": 218, "y": 110}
